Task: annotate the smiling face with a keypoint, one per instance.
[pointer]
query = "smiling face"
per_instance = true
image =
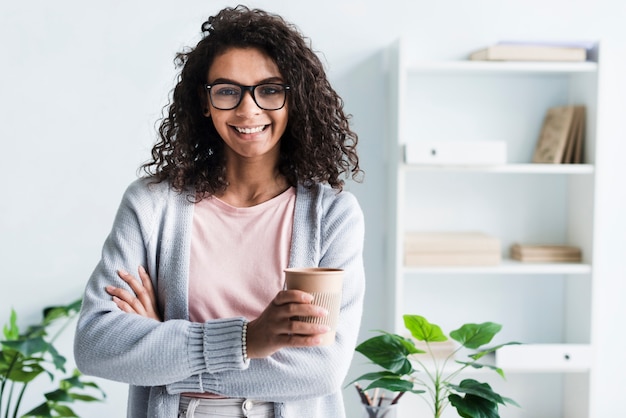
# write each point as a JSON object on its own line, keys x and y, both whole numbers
{"x": 248, "y": 131}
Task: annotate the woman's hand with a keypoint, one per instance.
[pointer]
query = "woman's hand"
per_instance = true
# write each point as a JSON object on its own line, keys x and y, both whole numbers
{"x": 143, "y": 302}
{"x": 276, "y": 327}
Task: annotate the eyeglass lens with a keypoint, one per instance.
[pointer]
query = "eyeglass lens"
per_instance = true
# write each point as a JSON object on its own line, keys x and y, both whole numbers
{"x": 266, "y": 96}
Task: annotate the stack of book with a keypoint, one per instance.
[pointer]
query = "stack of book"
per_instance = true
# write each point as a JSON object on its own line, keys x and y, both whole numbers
{"x": 451, "y": 249}
{"x": 546, "y": 253}
{"x": 537, "y": 51}
{"x": 562, "y": 136}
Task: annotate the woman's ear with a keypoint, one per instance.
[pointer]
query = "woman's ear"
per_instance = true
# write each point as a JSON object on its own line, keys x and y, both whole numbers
{"x": 207, "y": 112}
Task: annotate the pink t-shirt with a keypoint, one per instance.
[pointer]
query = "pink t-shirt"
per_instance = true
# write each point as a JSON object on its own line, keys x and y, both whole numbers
{"x": 238, "y": 256}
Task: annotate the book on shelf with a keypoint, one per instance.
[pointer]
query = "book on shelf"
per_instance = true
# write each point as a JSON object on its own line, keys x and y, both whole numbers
{"x": 424, "y": 248}
{"x": 562, "y": 136}
{"x": 452, "y": 259}
{"x": 450, "y": 241}
{"x": 535, "y": 51}
{"x": 546, "y": 253}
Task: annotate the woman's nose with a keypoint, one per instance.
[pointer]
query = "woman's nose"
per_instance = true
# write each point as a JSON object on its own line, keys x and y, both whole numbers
{"x": 248, "y": 106}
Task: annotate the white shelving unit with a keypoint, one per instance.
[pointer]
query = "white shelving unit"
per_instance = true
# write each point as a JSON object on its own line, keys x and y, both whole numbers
{"x": 540, "y": 305}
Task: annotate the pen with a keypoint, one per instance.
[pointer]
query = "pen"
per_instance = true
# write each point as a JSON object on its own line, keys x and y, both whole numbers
{"x": 365, "y": 399}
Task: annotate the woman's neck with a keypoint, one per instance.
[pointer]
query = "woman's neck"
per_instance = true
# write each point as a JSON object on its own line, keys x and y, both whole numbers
{"x": 252, "y": 184}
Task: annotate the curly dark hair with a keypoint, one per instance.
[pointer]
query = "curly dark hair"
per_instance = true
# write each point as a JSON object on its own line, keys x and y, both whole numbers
{"x": 318, "y": 145}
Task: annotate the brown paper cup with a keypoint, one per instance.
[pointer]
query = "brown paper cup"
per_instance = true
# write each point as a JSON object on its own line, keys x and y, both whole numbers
{"x": 325, "y": 286}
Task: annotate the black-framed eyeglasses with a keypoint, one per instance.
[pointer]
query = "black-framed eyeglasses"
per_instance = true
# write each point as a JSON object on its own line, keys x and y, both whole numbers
{"x": 267, "y": 96}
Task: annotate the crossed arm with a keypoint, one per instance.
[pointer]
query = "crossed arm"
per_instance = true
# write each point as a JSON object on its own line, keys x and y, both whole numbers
{"x": 271, "y": 331}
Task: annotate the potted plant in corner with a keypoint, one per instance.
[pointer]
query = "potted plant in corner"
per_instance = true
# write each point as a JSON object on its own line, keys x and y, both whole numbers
{"x": 407, "y": 368}
{"x": 26, "y": 355}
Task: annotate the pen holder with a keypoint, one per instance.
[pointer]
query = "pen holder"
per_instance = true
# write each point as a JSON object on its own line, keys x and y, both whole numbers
{"x": 385, "y": 410}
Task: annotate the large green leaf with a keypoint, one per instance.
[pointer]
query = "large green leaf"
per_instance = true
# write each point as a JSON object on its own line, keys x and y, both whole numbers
{"x": 57, "y": 359}
{"x": 59, "y": 395}
{"x": 64, "y": 411}
{"x": 388, "y": 351}
{"x": 422, "y": 330}
{"x": 52, "y": 313}
{"x": 475, "y": 335}
{"x": 75, "y": 382}
{"x": 25, "y": 372}
{"x": 7, "y": 357}
{"x": 28, "y": 346}
{"x": 475, "y": 388}
{"x": 393, "y": 384}
{"x": 42, "y": 410}
{"x": 471, "y": 406}
{"x": 374, "y": 376}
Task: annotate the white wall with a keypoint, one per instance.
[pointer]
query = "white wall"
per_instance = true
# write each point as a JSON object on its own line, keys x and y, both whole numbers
{"x": 82, "y": 84}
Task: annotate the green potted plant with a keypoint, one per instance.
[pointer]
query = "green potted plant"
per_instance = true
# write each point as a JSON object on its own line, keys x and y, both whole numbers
{"x": 407, "y": 368}
{"x": 24, "y": 356}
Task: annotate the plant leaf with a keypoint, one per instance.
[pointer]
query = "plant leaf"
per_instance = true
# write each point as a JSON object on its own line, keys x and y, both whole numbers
{"x": 388, "y": 351}
{"x": 373, "y": 376}
{"x": 475, "y": 335}
{"x": 422, "y": 330}
{"x": 493, "y": 349}
{"x": 59, "y": 395}
{"x": 393, "y": 384}
{"x": 28, "y": 346}
{"x": 6, "y": 358}
{"x": 57, "y": 359}
{"x": 480, "y": 366}
{"x": 475, "y": 388}
{"x": 64, "y": 411}
{"x": 84, "y": 398}
{"x": 25, "y": 372}
{"x": 75, "y": 382}
{"x": 39, "y": 411}
{"x": 52, "y": 313}
{"x": 11, "y": 330}
{"x": 472, "y": 406}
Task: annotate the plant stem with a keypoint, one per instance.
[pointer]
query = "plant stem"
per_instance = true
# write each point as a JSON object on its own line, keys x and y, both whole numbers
{"x": 6, "y": 414}
{"x": 19, "y": 400}
{"x": 4, "y": 382}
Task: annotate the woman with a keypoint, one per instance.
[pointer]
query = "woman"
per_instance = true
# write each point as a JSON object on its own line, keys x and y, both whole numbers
{"x": 244, "y": 182}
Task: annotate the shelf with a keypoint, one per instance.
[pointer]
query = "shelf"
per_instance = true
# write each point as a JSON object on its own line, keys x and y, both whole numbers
{"x": 545, "y": 306}
{"x": 505, "y": 168}
{"x": 506, "y": 267}
{"x": 502, "y": 67}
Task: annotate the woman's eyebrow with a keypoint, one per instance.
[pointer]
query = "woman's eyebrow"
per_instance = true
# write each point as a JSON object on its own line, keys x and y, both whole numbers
{"x": 231, "y": 81}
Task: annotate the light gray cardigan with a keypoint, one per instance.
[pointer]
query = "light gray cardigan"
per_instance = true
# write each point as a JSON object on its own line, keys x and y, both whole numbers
{"x": 160, "y": 360}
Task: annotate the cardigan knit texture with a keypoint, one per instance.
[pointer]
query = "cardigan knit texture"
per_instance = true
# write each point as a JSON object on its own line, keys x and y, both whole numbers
{"x": 161, "y": 360}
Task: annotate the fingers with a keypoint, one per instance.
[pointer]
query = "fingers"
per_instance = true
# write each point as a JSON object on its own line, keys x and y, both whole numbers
{"x": 145, "y": 279}
{"x": 125, "y": 300}
{"x": 279, "y": 325}
{"x": 142, "y": 299}
{"x": 292, "y": 296}
{"x": 147, "y": 294}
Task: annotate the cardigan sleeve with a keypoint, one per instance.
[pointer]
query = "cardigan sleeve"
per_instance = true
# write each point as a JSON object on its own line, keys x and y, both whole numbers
{"x": 112, "y": 344}
{"x": 303, "y": 373}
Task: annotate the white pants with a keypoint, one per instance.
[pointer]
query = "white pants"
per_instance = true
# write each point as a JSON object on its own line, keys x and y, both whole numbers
{"x": 205, "y": 408}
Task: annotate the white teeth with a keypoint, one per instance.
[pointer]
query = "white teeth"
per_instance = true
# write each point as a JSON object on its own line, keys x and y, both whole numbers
{"x": 250, "y": 130}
